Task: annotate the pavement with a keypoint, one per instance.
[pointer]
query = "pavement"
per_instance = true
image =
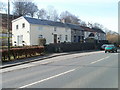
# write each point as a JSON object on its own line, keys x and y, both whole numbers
{"x": 94, "y": 69}
{"x": 43, "y": 60}
{"x": 38, "y": 58}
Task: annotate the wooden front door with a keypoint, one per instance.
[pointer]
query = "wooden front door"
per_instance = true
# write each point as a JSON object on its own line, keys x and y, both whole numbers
{"x": 55, "y": 38}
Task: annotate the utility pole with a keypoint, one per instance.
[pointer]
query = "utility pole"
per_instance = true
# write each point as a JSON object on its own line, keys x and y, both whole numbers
{"x": 8, "y": 21}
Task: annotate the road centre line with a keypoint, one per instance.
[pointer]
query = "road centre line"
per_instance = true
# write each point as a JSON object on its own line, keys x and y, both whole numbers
{"x": 99, "y": 60}
{"x": 47, "y": 78}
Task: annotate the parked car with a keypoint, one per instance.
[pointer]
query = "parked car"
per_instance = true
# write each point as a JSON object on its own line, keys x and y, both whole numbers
{"x": 103, "y": 46}
{"x": 110, "y": 48}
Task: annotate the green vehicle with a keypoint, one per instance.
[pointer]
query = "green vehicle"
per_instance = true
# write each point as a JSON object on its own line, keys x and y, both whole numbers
{"x": 110, "y": 48}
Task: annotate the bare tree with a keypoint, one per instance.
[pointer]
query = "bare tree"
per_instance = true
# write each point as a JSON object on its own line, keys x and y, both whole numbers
{"x": 83, "y": 23}
{"x": 32, "y": 9}
{"x": 3, "y": 7}
{"x": 113, "y": 38}
{"x": 97, "y": 25}
{"x": 69, "y": 18}
{"x": 90, "y": 25}
{"x": 55, "y": 15}
{"x": 22, "y": 8}
{"x": 41, "y": 14}
{"x": 52, "y": 14}
{"x": 19, "y": 8}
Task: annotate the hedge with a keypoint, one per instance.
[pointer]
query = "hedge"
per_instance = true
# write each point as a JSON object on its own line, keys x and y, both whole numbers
{"x": 17, "y": 53}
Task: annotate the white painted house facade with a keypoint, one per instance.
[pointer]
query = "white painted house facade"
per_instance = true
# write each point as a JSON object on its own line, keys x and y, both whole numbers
{"x": 30, "y": 30}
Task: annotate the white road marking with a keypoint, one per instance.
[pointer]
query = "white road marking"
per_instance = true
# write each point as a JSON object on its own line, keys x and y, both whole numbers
{"x": 47, "y": 78}
{"x": 58, "y": 74}
{"x": 99, "y": 60}
{"x": 115, "y": 53}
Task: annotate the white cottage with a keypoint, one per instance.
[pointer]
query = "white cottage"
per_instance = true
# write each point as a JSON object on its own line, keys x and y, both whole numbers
{"x": 95, "y": 33}
{"x": 30, "y": 30}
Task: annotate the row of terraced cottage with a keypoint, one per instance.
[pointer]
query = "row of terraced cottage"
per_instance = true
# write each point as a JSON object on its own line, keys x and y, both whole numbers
{"x": 31, "y": 30}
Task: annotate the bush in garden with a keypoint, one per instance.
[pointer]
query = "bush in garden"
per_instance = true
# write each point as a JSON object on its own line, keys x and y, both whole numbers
{"x": 4, "y": 54}
{"x": 42, "y": 41}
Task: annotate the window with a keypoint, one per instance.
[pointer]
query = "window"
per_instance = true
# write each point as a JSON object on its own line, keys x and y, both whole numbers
{"x": 75, "y": 31}
{"x": 40, "y": 36}
{"x": 82, "y": 37}
{"x": 16, "y": 26}
{"x": 74, "y": 38}
{"x": 79, "y": 38}
{"x": 23, "y": 25}
{"x": 66, "y": 37}
{"x": 82, "y": 33}
{"x": 60, "y": 37}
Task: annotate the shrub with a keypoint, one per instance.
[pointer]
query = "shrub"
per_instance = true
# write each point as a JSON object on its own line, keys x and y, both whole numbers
{"x": 42, "y": 41}
{"x": 16, "y": 53}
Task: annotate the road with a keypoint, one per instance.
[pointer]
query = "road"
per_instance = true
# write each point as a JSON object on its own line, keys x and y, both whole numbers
{"x": 97, "y": 70}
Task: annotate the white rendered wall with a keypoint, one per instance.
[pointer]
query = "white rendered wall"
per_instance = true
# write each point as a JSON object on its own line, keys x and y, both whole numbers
{"x": 20, "y": 31}
{"x": 48, "y": 33}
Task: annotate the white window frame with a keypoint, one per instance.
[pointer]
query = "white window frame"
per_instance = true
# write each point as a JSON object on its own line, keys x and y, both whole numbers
{"x": 40, "y": 36}
{"x": 60, "y": 37}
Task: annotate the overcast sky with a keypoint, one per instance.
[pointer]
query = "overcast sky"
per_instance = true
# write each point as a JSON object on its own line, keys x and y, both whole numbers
{"x": 104, "y": 12}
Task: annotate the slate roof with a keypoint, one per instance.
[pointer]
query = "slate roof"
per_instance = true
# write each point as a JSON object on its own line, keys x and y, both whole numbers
{"x": 98, "y": 30}
{"x": 60, "y": 24}
{"x": 93, "y": 29}
{"x": 73, "y": 26}
{"x": 88, "y": 29}
{"x": 52, "y": 23}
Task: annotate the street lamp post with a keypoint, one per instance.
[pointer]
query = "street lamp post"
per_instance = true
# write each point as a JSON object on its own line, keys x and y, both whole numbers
{"x": 8, "y": 26}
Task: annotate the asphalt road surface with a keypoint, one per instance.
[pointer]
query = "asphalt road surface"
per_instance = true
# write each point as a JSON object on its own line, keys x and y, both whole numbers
{"x": 97, "y": 70}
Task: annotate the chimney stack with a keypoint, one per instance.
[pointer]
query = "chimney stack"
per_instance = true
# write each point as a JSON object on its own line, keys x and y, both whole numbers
{"x": 62, "y": 20}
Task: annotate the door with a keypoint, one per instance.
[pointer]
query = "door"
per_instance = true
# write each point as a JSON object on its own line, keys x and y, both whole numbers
{"x": 79, "y": 38}
{"x": 55, "y": 38}
{"x": 18, "y": 40}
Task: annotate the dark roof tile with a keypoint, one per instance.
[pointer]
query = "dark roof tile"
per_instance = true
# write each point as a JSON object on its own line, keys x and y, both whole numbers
{"x": 92, "y": 29}
{"x": 98, "y": 30}
{"x": 52, "y": 23}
